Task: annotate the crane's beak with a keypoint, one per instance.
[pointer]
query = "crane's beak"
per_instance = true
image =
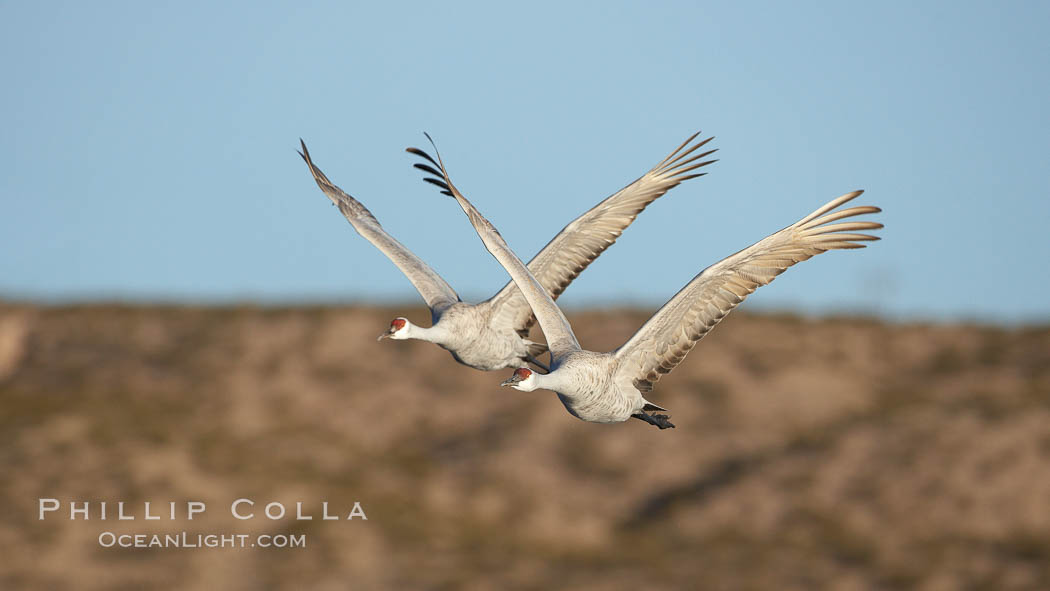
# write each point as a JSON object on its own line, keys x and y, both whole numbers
{"x": 514, "y": 379}
{"x": 386, "y": 334}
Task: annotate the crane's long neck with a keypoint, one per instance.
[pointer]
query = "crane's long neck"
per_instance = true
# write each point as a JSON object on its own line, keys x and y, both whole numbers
{"x": 552, "y": 381}
{"x": 543, "y": 381}
{"x": 433, "y": 334}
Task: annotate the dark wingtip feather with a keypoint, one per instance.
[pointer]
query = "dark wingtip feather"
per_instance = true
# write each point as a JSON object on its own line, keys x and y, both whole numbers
{"x": 691, "y": 176}
{"x": 422, "y": 154}
{"x": 440, "y": 180}
{"x": 427, "y": 168}
{"x": 436, "y": 182}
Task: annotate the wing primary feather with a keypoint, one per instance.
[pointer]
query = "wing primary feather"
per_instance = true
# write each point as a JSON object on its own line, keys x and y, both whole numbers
{"x": 845, "y": 213}
{"x": 829, "y": 206}
{"x": 682, "y": 145}
{"x": 842, "y": 236}
{"x": 421, "y": 154}
{"x": 427, "y": 168}
{"x": 692, "y": 176}
{"x": 427, "y": 179}
{"x": 841, "y": 227}
{"x": 691, "y": 149}
{"x": 693, "y": 167}
{"x": 693, "y": 158}
{"x": 438, "y": 182}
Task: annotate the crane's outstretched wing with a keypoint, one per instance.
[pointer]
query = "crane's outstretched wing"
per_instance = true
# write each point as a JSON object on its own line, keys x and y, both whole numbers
{"x": 560, "y": 338}
{"x": 435, "y": 291}
{"x": 665, "y": 339}
{"x": 586, "y": 237}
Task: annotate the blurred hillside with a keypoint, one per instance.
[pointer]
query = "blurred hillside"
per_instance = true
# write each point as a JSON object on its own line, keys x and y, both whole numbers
{"x": 833, "y": 454}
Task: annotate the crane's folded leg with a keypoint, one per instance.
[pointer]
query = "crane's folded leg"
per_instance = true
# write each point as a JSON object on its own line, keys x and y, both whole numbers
{"x": 660, "y": 421}
{"x": 537, "y": 363}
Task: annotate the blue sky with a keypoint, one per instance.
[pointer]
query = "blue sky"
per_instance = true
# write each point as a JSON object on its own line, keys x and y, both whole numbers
{"x": 148, "y": 150}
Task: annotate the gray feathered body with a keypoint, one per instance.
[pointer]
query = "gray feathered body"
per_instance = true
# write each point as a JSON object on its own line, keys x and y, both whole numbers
{"x": 591, "y": 389}
{"x": 468, "y": 333}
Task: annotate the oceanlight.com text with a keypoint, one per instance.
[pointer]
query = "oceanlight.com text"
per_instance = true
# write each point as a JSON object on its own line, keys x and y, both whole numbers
{"x": 187, "y": 540}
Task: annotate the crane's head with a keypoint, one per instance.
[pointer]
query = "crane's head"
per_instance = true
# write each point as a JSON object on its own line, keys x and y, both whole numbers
{"x": 398, "y": 329}
{"x": 523, "y": 379}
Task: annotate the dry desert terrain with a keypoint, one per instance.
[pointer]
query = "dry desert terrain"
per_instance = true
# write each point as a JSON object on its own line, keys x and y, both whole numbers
{"x": 834, "y": 453}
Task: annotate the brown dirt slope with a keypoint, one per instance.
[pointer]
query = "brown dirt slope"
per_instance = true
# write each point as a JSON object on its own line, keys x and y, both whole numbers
{"x": 833, "y": 454}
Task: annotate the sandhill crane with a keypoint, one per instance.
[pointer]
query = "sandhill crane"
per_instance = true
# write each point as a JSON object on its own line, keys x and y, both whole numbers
{"x": 609, "y": 387}
{"x": 493, "y": 334}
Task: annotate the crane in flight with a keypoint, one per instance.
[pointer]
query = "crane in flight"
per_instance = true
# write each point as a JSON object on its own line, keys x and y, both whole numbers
{"x": 610, "y": 387}
{"x": 493, "y": 334}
